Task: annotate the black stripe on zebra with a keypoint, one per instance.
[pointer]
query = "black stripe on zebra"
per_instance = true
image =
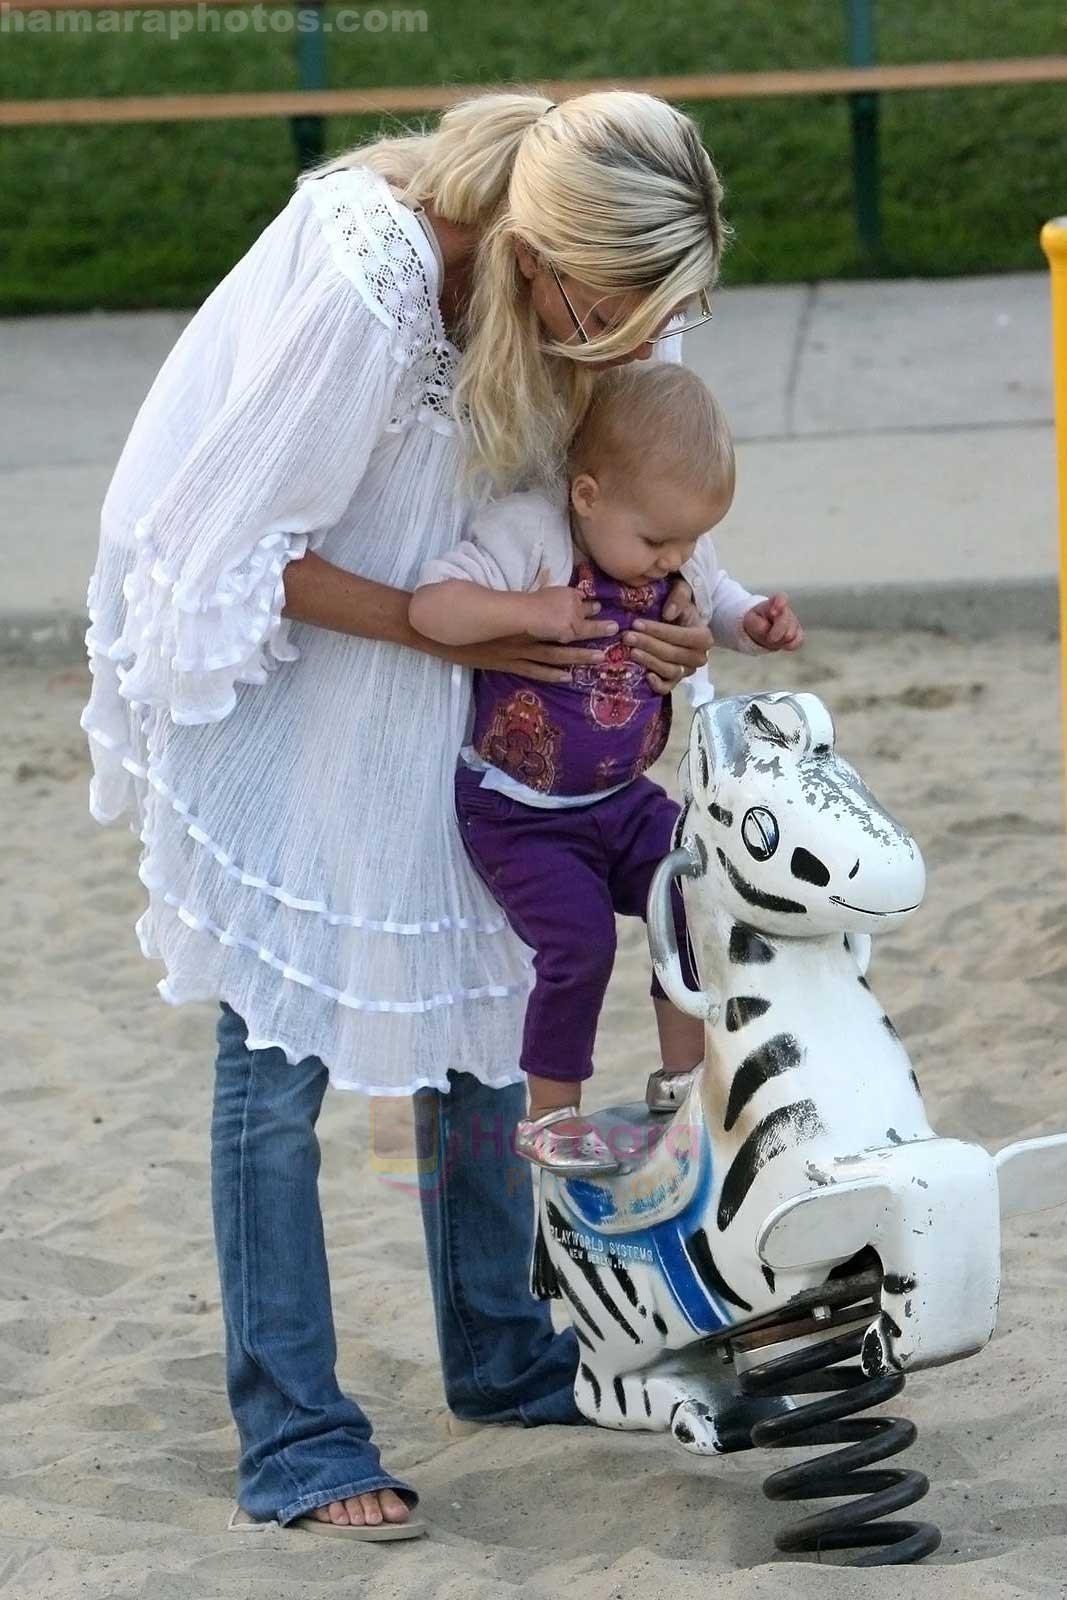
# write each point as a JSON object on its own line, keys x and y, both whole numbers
{"x": 590, "y": 1378}
{"x": 719, "y": 813}
{"x": 754, "y": 896}
{"x": 620, "y": 1395}
{"x": 700, "y": 1253}
{"x": 577, "y": 1304}
{"x": 742, "y": 1009}
{"x": 626, "y": 1283}
{"x": 747, "y": 946}
{"x": 780, "y": 1130}
{"x": 591, "y": 1274}
{"x": 544, "y": 1285}
{"x": 679, "y": 826}
{"x": 583, "y": 1338}
{"x": 779, "y": 1054}
{"x": 647, "y": 1399}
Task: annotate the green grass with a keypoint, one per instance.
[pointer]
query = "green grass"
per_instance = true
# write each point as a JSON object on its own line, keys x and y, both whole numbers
{"x": 154, "y": 215}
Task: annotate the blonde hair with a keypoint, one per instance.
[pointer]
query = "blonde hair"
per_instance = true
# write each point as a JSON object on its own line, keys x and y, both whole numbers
{"x": 613, "y": 189}
{"x": 655, "y": 418}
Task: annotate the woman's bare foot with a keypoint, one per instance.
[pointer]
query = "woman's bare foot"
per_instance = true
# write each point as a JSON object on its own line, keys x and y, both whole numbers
{"x": 364, "y": 1510}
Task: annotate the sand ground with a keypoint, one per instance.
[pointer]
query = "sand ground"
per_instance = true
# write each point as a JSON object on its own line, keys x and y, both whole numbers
{"x": 117, "y": 1451}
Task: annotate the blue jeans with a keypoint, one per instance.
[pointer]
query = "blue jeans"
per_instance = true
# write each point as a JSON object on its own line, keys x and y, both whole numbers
{"x": 302, "y": 1442}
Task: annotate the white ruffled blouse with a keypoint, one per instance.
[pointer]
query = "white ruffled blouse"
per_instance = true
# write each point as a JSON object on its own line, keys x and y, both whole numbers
{"x": 292, "y": 787}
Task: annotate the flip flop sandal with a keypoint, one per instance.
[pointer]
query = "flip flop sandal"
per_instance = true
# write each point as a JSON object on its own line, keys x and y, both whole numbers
{"x": 376, "y": 1533}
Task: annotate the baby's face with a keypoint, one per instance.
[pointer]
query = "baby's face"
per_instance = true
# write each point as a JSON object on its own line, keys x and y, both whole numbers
{"x": 642, "y": 531}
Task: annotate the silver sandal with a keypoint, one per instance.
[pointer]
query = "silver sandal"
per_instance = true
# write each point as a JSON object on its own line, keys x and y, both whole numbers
{"x": 665, "y": 1091}
{"x": 574, "y": 1151}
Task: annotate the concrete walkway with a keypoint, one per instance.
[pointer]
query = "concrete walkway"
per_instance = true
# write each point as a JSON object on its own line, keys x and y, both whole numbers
{"x": 896, "y": 451}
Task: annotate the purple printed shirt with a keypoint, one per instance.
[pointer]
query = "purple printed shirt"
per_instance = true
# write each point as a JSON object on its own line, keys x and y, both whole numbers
{"x": 602, "y": 729}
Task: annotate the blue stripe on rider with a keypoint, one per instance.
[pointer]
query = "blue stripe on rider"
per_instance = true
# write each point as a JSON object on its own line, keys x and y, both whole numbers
{"x": 591, "y": 1202}
{"x": 700, "y": 1309}
{"x": 594, "y": 1202}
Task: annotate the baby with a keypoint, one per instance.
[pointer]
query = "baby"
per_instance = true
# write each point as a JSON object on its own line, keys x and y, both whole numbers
{"x": 555, "y": 811}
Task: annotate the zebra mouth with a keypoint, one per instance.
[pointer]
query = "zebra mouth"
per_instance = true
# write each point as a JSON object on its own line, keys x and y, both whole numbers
{"x": 835, "y": 899}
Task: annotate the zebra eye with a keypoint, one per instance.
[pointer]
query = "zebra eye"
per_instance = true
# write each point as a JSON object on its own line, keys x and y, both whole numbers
{"x": 759, "y": 830}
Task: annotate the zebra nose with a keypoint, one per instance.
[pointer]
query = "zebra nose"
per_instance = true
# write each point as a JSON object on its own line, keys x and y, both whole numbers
{"x": 854, "y": 871}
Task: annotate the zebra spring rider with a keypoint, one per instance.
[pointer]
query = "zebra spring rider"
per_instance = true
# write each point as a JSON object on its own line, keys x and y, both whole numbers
{"x": 799, "y": 1196}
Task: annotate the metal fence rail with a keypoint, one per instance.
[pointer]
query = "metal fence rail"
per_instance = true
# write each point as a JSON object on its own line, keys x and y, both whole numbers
{"x": 861, "y": 83}
{"x": 692, "y": 86}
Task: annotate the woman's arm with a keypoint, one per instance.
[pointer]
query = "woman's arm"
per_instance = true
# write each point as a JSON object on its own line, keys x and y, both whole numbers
{"x": 326, "y": 596}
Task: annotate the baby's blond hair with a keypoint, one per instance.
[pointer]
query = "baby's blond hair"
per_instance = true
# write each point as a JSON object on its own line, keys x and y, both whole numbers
{"x": 655, "y": 417}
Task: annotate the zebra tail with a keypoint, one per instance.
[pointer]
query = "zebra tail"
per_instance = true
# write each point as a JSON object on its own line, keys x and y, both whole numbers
{"x": 544, "y": 1282}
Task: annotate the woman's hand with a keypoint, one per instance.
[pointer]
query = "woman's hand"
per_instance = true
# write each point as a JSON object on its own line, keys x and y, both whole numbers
{"x": 671, "y": 650}
{"x": 527, "y": 657}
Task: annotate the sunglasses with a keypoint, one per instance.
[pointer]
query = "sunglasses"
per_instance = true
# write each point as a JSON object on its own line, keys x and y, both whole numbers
{"x": 669, "y": 333}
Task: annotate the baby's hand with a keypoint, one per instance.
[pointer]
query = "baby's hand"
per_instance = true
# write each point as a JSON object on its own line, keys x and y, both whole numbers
{"x": 773, "y": 624}
{"x": 561, "y": 615}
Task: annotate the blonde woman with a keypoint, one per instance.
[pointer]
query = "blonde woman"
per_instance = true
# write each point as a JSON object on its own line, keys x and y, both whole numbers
{"x": 420, "y": 325}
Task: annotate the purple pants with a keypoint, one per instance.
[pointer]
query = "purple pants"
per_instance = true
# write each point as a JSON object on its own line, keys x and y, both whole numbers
{"x": 561, "y": 876}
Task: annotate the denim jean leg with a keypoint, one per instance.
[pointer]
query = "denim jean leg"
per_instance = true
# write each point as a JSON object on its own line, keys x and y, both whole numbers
{"x": 500, "y": 1357}
{"x": 303, "y": 1443}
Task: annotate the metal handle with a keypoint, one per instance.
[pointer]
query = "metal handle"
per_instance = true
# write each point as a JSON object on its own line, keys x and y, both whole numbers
{"x": 663, "y": 942}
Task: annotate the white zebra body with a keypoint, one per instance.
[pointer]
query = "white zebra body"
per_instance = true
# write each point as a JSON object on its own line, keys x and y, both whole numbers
{"x": 804, "y": 1141}
{"x": 852, "y": 1087}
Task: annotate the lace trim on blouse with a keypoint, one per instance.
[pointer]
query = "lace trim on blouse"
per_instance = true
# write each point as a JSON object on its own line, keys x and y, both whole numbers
{"x": 380, "y": 246}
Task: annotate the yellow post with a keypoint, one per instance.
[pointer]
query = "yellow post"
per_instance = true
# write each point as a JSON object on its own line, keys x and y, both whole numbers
{"x": 1054, "y": 244}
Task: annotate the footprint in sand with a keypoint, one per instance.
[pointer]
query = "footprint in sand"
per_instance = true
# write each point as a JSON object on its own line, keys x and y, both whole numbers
{"x": 917, "y": 697}
{"x": 206, "y": 1369}
{"x": 912, "y": 1022}
{"x": 1003, "y": 822}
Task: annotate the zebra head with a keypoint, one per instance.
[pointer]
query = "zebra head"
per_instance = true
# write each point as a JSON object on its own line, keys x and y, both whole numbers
{"x": 788, "y": 833}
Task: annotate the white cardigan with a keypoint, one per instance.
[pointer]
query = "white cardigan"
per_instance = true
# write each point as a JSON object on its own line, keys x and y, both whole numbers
{"x": 511, "y": 541}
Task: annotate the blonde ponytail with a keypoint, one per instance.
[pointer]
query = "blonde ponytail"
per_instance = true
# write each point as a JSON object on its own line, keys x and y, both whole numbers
{"x": 463, "y": 166}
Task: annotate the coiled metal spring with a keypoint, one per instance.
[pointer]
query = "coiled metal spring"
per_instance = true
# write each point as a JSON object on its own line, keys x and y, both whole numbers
{"x": 846, "y": 1472}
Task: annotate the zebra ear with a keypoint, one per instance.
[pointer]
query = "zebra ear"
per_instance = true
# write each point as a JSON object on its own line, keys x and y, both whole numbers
{"x": 703, "y": 754}
{"x": 797, "y": 722}
{"x": 822, "y": 1226}
{"x": 820, "y": 724}
{"x": 716, "y": 744}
